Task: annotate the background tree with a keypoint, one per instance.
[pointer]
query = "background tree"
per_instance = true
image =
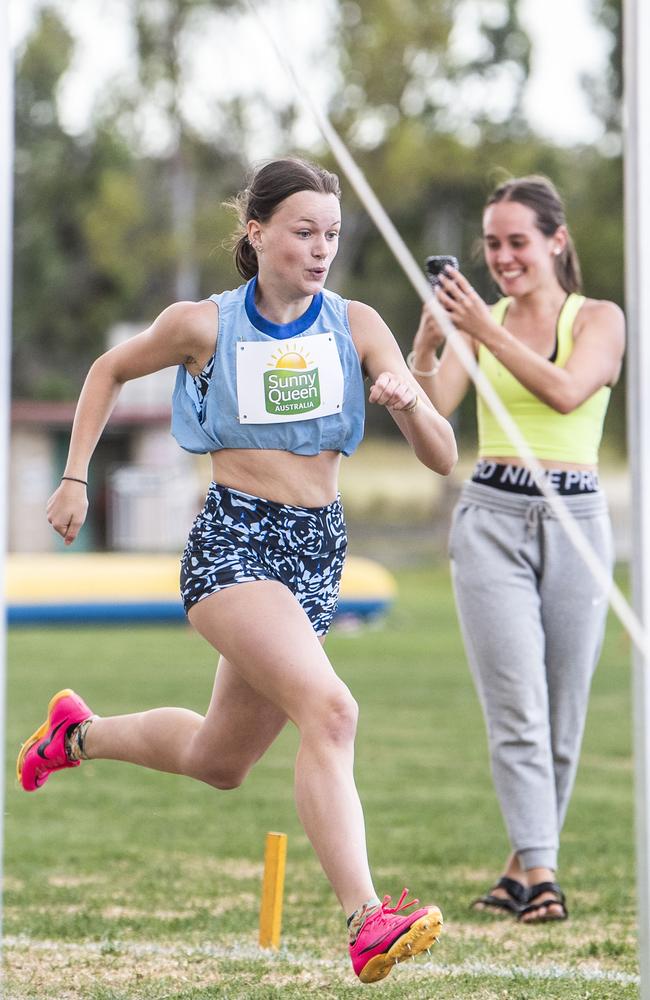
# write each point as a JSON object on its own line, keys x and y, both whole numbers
{"x": 106, "y": 231}
{"x": 605, "y": 90}
{"x": 54, "y": 282}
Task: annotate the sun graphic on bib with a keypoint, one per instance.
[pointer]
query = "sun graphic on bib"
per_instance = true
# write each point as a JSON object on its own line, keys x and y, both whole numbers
{"x": 292, "y": 386}
{"x": 290, "y": 357}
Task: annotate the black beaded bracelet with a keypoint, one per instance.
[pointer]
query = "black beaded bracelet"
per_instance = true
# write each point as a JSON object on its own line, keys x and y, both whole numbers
{"x": 73, "y": 479}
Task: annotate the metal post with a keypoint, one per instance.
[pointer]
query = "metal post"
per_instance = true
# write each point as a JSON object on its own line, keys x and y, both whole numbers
{"x": 636, "y": 28}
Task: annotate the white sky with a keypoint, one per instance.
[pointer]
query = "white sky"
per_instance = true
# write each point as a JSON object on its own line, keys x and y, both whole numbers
{"x": 565, "y": 44}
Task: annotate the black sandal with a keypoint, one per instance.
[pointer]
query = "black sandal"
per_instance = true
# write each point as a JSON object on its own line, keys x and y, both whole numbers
{"x": 538, "y": 890}
{"x": 512, "y": 903}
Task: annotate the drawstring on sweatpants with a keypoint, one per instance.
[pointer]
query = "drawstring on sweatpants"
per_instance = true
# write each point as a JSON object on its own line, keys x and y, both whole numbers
{"x": 535, "y": 512}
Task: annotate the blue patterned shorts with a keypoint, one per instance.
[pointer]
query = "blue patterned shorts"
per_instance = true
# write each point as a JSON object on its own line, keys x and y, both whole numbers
{"x": 239, "y": 538}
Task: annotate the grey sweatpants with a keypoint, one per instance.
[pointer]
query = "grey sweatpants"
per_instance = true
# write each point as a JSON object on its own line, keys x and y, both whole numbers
{"x": 532, "y": 618}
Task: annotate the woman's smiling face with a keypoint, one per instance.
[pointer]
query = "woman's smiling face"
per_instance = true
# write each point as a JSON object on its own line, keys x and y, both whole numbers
{"x": 518, "y": 254}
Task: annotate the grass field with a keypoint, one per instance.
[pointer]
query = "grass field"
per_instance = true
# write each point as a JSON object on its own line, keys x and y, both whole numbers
{"x": 123, "y": 883}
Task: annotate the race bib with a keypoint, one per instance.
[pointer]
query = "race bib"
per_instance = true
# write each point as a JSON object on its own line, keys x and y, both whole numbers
{"x": 291, "y": 380}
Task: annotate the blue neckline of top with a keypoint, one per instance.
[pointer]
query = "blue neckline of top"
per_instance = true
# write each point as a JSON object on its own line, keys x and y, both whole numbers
{"x": 280, "y": 331}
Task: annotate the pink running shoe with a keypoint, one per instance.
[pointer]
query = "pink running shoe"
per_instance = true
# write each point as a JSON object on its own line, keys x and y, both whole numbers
{"x": 44, "y": 751}
{"x": 386, "y": 939}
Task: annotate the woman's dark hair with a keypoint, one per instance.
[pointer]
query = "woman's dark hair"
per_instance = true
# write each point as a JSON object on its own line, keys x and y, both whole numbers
{"x": 268, "y": 187}
{"x": 541, "y": 195}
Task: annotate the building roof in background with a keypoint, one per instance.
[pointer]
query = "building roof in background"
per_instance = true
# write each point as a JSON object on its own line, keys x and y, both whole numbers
{"x": 61, "y": 414}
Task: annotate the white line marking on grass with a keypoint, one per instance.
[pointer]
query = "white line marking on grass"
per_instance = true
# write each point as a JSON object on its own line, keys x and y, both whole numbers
{"x": 250, "y": 952}
{"x": 588, "y": 973}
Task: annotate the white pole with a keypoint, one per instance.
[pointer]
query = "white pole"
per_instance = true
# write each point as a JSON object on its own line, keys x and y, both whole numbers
{"x": 6, "y": 215}
{"x": 636, "y": 27}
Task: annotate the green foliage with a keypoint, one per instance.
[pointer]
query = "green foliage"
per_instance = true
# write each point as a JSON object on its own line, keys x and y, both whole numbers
{"x": 127, "y": 883}
{"x": 95, "y": 238}
{"x": 606, "y": 89}
{"x": 408, "y": 60}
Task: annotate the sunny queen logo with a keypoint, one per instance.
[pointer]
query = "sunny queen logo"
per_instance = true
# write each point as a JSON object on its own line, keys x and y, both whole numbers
{"x": 292, "y": 386}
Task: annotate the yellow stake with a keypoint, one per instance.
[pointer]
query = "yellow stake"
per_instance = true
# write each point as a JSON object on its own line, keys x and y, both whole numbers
{"x": 275, "y": 856}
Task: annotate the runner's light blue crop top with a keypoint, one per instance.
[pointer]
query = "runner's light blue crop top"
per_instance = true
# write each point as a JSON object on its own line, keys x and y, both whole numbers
{"x": 293, "y": 387}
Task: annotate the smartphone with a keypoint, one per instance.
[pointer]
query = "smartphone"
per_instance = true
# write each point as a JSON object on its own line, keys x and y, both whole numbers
{"x": 434, "y": 266}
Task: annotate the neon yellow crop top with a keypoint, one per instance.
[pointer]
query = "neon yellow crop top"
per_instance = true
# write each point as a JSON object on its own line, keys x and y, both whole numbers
{"x": 562, "y": 437}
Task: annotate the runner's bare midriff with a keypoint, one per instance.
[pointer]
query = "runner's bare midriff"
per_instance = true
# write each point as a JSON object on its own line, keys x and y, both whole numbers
{"x": 281, "y": 476}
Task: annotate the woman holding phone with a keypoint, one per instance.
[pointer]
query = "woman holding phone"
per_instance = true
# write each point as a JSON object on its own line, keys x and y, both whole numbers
{"x": 531, "y": 614}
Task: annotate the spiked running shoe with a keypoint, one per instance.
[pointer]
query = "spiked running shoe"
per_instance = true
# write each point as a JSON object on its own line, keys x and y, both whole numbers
{"x": 386, "y": 938}
{"x": 44, "y": 751}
